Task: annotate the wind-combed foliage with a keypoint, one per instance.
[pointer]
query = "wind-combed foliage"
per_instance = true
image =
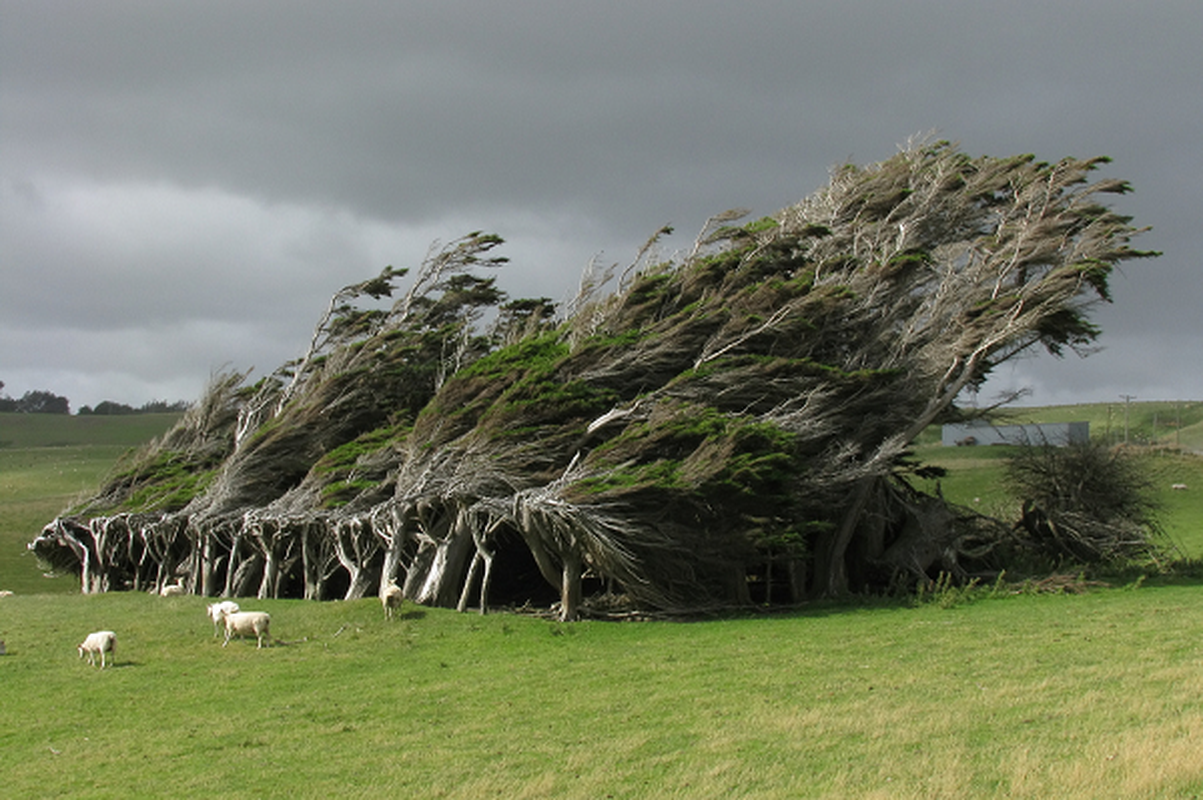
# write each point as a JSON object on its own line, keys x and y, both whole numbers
{"x": 720, "y": 423}
{"x": 1085, "y": 502}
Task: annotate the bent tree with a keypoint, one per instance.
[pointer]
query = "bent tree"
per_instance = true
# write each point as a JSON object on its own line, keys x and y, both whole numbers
{"x": 718, "y": 423}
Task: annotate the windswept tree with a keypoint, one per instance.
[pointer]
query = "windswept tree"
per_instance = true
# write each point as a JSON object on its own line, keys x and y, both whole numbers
{"x": 721, "y": 422}
{"x": 1085, "y": 503}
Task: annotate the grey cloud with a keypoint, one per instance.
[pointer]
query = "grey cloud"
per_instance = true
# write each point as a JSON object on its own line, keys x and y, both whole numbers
{"x": 238, "y": 152}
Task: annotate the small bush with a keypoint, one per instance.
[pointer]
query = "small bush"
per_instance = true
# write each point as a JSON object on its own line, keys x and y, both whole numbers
{"x": 1085, "y": 502}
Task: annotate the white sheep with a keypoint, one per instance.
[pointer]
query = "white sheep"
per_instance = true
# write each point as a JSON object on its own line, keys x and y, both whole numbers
{"x": 1179, "y": 487}
{"x": 172, "y": 590}
{"x": 6, "y": 593}
{"x": 218, "y": 611}
{"x": 245, "y": 623}
{"x": 99, "y": 642}
{"x": 390, "y": 598}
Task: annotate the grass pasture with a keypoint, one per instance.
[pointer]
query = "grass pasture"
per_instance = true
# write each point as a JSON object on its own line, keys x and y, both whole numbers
{"x": 47, "y": 461}
{"x": 975, "y": 479}
{"x": 987, "y": 694}
{"x": 1096, "y": 695}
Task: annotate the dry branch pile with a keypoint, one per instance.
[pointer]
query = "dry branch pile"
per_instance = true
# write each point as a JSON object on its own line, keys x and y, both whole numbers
{"x": 719, "y": 424}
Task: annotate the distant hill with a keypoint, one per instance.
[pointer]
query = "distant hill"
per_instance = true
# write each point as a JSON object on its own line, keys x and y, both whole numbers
{"x": 64, "y": 430}
{"x": 1155, "y": 422}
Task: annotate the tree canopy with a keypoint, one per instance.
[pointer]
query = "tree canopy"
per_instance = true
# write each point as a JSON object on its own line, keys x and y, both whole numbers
{"x": 35, "y": 401}
{"x": 686, "y": 433}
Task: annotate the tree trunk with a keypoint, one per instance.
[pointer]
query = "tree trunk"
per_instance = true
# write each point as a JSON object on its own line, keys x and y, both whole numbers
{"x": 419, "y": 568}
{"x": 312, "y": 561}
{"x": 271, "y": 571}
{"x": 440, "y": 586}
{"x": 473, "y": 571}
{"x": 391, "y": 563}
{"x": 570, "y": 587}
{"x": 244, "y": 580}
{"x": 486, "y": 582}
{"x": 208, "y": 566}
{"x": 797, "y": 579}
{"x": 356, "y": 546}
{"x": 831, "y": 573}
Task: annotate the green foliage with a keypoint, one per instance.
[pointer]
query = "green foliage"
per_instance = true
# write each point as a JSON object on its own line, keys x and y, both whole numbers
{"x": 168, "y": 484}
{"x": 542, "y": 396}
{"x": 34, "y": 402}
{"x": 340, "y": 492}
{"x": 346, "y": 471}
{"x": 763, "y": 388}
{"x": 540, "y": 354}
{"x": 1086, "y": 501}
{"x": 700, "y": 453}
{"x": 761, "y": 225}
{"x": 946, "y": 592}
{"x": 347, "y": 455}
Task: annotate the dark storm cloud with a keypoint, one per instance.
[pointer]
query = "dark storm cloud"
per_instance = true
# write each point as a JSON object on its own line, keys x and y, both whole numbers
{"x": 188, "y": 183}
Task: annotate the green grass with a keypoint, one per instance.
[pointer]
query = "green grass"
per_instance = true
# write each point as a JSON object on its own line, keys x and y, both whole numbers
{"x": 46, "y": 462}
{"x": 1012, "y": 695}
{"x": 976, "y": 473}
{"x": 1166, "y": 423}
{"x": 19, "y": 431}
{"x": 975, "y": 479}
{"x": 1097, "y": 695}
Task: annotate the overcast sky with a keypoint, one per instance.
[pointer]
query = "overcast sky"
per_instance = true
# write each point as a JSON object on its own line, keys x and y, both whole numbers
{"x": 184, "y": 185}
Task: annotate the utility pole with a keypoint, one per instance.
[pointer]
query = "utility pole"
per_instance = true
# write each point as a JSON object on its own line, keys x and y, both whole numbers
{"x": 1127, "y": 398}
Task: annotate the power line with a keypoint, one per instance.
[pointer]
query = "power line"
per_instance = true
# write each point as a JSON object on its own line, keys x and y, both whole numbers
{"x": 1126, "y": 398}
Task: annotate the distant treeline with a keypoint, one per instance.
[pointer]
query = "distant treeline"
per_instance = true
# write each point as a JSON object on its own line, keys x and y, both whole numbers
{"x": 35, "y": 402}
{"x": 153, "y": 407}
{"x": 42, "y": 402}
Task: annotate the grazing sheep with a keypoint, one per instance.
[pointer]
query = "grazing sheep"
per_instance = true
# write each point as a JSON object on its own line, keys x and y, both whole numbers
{"x": 245, "y": 623}
{"x": 6, "y": 593}
{"x": 1179, "y": 487}
{"x": 99, "y": 642}
{"x": 172, "y": 590}
{"x": 218, "y": 611}
{"x": 390, "y": 598}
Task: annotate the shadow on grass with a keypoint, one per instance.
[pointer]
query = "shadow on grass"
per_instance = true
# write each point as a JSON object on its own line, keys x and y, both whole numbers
{"x": 113, "y": 665}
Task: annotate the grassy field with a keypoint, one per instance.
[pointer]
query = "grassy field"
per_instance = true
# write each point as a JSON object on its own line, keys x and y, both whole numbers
{"x": 1177, "y": 424}
{"x": 1096, "y": 695}
{"x": 997, "y": 693}
{"x": 975, "y": 474}
{"x": 46, "y": 461}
